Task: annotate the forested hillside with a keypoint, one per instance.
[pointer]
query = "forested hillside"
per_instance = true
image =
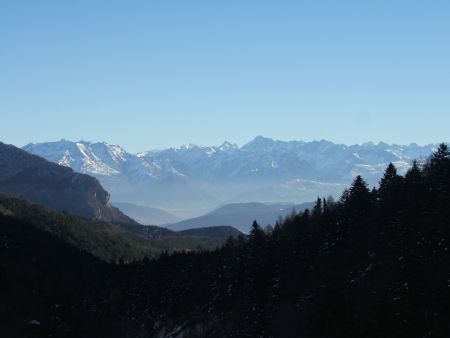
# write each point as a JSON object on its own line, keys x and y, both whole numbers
{"x": 108, "y": 241}
{"x": 375, "y": 263}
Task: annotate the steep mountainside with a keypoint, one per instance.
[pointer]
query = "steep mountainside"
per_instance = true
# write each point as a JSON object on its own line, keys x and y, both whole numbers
{"x": 55, "y": 186}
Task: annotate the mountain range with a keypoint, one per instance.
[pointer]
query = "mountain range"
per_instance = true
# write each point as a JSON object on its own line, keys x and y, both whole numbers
{"x": 192, "y": 180}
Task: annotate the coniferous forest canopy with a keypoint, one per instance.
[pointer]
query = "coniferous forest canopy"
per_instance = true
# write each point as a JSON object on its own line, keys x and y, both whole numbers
{"x": 374, "y": 263}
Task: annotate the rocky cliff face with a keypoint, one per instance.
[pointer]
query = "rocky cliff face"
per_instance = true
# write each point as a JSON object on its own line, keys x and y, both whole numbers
{"x": 40, "y": 181}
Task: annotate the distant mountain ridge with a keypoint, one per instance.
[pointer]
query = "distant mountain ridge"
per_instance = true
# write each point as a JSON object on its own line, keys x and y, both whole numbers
{"x": 146, "y": 215}
{"x": 191, "y": 180}
{"x": 241, "y": 216}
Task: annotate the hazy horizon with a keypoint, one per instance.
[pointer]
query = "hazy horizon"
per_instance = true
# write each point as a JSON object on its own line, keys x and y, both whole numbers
{"x": 155, "y": 75}
{"x": 240, "y": 145}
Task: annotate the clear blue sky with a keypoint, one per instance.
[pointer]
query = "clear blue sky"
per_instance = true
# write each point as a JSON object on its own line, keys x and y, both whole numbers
{"x": 151, "y": 74}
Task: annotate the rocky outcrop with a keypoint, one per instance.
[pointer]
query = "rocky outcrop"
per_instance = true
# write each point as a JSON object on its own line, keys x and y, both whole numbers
{"x": 38, "y": 180}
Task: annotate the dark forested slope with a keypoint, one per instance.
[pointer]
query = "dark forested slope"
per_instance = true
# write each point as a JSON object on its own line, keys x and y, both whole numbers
{"x": 109, "y": 241}
{"x": 104, "y": 240}
{"x": 47, "y": 287}
{"x": 376, "y": 263}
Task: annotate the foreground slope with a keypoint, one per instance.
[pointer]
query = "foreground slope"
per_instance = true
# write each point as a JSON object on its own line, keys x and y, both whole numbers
{"x": 374, "y": 264}
{"x": 48, "y": 287}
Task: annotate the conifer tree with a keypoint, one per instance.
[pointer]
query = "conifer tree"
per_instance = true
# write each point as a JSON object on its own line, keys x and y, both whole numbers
{"x": 390, "y": 181}
{"x": 257, "y": 235}
{"x": 317, "y": 209}
{"x": 358, "y": 196}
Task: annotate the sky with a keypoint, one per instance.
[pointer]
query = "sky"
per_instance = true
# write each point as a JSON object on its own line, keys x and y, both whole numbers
{"x": 155, "y": 74}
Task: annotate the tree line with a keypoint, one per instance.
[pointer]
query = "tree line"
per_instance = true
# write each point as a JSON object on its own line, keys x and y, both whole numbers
{"x": 373, "y": 263}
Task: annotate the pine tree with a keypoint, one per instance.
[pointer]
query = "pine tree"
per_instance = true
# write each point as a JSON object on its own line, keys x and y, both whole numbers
{"x": 437, "y": 178}
{"x": 257, "y": 235}
{"x": 358, "y": 196}
{"x": 414, "y": 190}
{"x": 442, "y": 152}
{"x": 389, "y": 193}
{"x": 325, "y": 205}
{"x": 317, "y": 209}
{"x": 389, "y": 184}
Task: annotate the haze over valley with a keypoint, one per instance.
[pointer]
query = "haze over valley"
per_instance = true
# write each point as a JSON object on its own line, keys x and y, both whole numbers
{"x": 192, "y": 180}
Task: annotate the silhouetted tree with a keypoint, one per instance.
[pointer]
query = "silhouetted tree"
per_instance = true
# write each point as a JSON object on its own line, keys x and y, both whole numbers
{"x": 317, "y": 209}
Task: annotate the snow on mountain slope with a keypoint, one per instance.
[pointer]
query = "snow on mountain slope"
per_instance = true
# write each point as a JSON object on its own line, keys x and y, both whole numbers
{"x": 97, "y": 159}
{"x": 261, "y": 170}
{"x": 260, "y": 158}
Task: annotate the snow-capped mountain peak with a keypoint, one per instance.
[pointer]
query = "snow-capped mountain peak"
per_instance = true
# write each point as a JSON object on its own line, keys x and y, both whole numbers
{"x": 92, "y": 158}
{"x": 226, "y": 146}
{"x": 294, "y": 171}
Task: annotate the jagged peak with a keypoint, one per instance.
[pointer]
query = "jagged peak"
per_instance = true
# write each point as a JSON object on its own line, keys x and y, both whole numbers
{"x": 227, "y": 146}
{"x": 188, "y": 146}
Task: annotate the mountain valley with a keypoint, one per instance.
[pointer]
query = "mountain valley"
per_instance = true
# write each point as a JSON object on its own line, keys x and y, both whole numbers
{"x": 191, "y": 180}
